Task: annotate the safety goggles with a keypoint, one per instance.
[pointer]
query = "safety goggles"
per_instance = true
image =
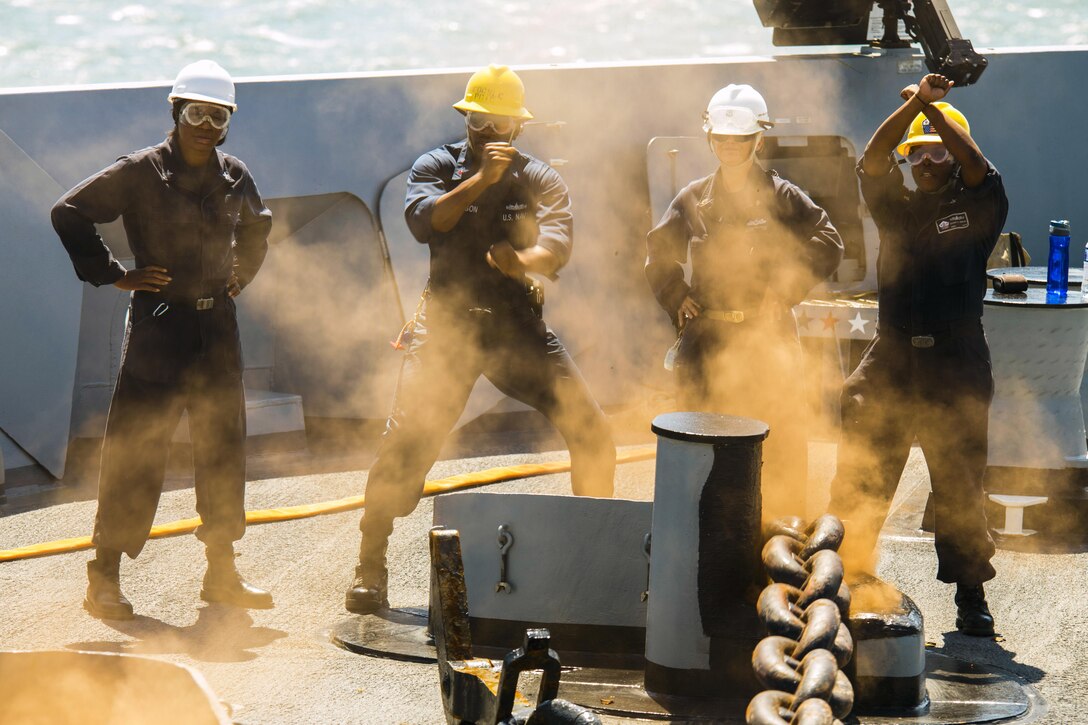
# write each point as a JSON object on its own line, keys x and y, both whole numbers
{"x": 733, "y": 121}
{"x": 499, "y": 124}
{"x": 196, "y": 114}
{"x": 935, "y": 152}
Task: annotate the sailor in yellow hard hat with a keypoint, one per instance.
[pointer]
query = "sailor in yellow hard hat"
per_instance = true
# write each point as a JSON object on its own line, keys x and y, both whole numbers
{"x": 492, "y": 216}
{"x": 494, "y": 110}
{"x": 925, "y": 149}
{"x": 927, "y": 374}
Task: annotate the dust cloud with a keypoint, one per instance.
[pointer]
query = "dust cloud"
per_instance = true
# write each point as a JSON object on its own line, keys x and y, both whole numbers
{"x": 329, "y": 300}
{"x": 332, "y": 318}
{"x": 42, "y": 688}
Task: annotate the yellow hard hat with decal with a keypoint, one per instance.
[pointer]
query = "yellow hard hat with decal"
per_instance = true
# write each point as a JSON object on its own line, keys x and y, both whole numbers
{"x": 495, "y": 89}
{"x": 922, "y": 132}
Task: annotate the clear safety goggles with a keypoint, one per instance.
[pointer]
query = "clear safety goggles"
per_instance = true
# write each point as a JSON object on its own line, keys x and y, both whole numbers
{"x": 725, "y": 138}
{"x": 935, "y": 152}
{"x": 195, "y": 114}
{"x": 501, "y": 125}
{"x": 733, "y": 121}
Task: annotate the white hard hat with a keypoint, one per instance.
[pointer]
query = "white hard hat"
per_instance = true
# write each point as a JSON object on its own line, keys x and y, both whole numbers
{"x": 736, "y": 110}
{"x": 204, "y": 80}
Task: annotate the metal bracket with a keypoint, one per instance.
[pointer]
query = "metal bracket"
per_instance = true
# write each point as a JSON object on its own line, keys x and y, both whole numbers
{"x": 646, "y": 552}
{"x": 506, "y": 540}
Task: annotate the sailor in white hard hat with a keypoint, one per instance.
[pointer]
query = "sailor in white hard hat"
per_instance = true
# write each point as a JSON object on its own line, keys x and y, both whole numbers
{"x": 757, "y": 245}
{"x": 198, "y": 230}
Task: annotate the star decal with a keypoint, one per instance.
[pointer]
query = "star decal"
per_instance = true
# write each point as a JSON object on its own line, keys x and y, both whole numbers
{"x": 830, "y": 321}
{"x": 858, "y": 323}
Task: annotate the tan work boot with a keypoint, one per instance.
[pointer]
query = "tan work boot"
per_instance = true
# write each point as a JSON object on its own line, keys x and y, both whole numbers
{"x": 224, "y": 585}
{"x": 104, "y": 598}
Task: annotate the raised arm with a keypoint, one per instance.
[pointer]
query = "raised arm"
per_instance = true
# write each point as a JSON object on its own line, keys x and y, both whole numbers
{"x": 877, "y": 159}
{"x": 959, "y": 143}
{"x": 449, "y": 207}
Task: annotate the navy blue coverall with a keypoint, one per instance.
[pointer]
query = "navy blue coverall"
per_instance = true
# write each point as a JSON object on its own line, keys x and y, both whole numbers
{"x": 927, "y": 373}
{"x": 475, "y": 321}
{"x": 773, "y": 240}
{"x": 182, "y": 349}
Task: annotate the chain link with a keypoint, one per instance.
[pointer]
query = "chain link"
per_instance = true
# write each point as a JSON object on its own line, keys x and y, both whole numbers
{"x": 803, "y": 609}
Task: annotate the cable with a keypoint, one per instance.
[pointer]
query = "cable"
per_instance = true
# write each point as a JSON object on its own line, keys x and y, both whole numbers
{"x": 304, "y": 511}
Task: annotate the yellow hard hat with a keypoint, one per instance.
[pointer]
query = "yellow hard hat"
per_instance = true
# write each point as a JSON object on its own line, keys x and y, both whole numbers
{"x": 921, "y": 129}
{"x": 495, "y": 89}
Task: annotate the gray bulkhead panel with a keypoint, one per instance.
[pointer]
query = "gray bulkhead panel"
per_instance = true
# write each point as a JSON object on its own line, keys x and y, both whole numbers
{"x": 312, "y": 136}
{"x": 40, "y": 301}
{"x": 572, "y": 560}
{"x": 323, "y": 309}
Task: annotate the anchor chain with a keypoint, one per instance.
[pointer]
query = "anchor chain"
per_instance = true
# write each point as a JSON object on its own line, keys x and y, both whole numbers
{"x": 803, "y": 609}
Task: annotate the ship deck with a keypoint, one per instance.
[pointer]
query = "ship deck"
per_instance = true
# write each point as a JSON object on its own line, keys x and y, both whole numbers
{"x": 279, "y": 665}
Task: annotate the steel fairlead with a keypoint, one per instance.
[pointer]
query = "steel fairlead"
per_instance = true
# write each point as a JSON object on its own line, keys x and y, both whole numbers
{"x": 803, "y": 610}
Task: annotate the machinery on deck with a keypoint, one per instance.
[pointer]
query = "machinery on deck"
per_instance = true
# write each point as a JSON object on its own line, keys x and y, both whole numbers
{"x": 847, "y": 22}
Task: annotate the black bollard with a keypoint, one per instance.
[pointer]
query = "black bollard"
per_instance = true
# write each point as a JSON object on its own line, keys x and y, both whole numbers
{"x": 705, "y": 571}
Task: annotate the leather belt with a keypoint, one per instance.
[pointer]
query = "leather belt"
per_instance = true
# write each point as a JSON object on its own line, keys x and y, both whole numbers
{"x": 735, "y": 316}
{"x": 201, "y": 304}
{"x": 934, "y": 333}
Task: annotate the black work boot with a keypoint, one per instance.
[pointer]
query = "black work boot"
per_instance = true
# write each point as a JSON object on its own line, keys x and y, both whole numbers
{"x": 972, "y": 615}
{"x": 104, "y": 598}
{"x": 224, "y": 585}
{"x": 369, "y": 590}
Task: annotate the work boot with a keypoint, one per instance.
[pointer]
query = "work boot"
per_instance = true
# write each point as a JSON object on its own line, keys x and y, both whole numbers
{"x": 104, "y": 598}
{"x": 973, "y": 617}
{"x": 224, "y": 585}
{"x": 369, "y": 590}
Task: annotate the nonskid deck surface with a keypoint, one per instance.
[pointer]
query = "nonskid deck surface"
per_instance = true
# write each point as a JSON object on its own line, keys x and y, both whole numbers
{"x": 279, "y": 666}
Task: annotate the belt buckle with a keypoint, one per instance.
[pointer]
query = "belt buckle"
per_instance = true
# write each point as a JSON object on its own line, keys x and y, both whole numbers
{"x": 922, "y": 341}
{"x": 205, "y": 303}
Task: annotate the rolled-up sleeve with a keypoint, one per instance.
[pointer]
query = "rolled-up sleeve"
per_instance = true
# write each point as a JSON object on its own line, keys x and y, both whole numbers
{"x": 555, "y": 222}
{"x": 251, "y": 234}
{"x": 97, "y": 200}
{"x": 427, "y": 181}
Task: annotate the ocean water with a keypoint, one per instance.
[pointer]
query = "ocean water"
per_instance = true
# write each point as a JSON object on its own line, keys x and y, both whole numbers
{"x": 60, "y": 42}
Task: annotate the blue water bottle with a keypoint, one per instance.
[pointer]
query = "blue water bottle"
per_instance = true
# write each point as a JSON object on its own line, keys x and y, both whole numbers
{"x": 1057, "y": 268}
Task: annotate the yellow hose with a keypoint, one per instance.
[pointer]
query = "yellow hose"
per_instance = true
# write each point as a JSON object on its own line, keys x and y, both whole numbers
{"x": 289, "y": 513}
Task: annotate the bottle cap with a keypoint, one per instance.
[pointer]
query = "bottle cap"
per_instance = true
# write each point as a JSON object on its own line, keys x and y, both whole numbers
{"x": 1059, "y": 227}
